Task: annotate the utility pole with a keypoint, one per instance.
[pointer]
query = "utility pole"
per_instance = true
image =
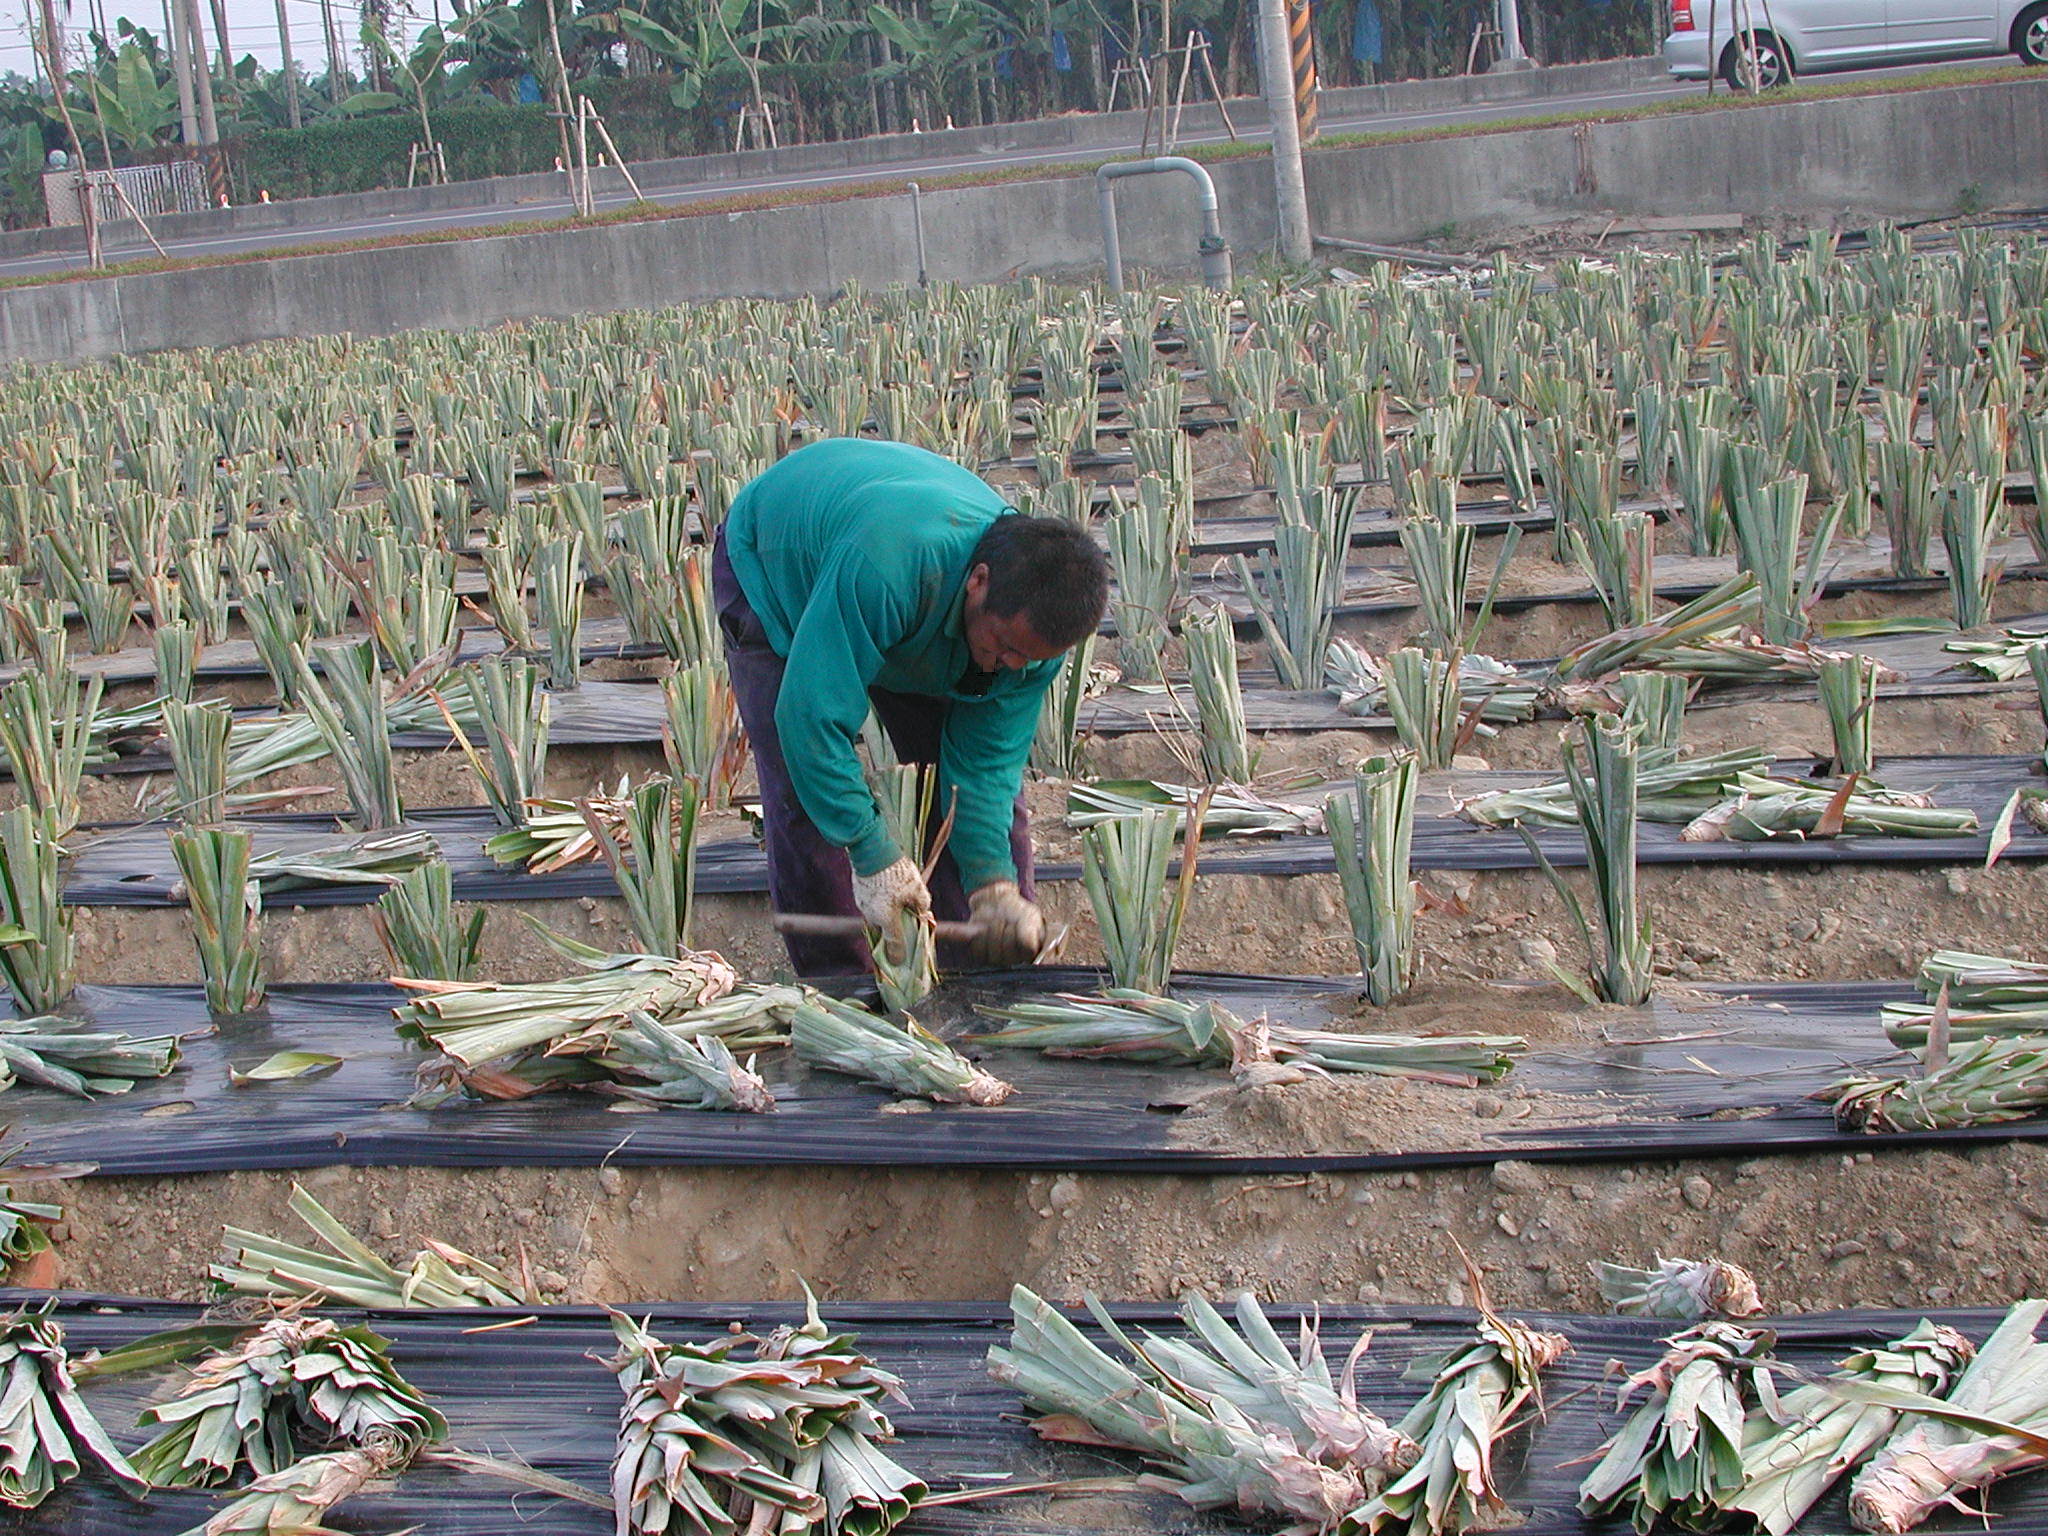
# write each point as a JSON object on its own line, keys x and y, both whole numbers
{"x": 1276, "y": 74}
{"x": 181, "y": 66}
{"x": 202, "y": 72}
{"x": 291, "y": 76}
{"x": 1513, "y": 55}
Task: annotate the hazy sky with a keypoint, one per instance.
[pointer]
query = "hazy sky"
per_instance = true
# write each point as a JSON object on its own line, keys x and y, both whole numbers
{"x": 252, "y": 26}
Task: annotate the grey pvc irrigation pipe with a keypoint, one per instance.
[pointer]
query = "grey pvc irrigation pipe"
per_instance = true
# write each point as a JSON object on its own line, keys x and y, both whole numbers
{"x": 917, "y": 223}
{"x": 1215, "y": 254}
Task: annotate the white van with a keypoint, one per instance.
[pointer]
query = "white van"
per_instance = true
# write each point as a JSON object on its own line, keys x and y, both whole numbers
{"x": 1810, "y": 37}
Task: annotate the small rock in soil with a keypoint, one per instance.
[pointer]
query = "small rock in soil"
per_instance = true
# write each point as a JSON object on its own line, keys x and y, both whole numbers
{"x": 1513, "y": 1174}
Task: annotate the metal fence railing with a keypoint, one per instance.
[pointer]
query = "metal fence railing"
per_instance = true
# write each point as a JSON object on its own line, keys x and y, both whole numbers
{"x": 174, "y": 186}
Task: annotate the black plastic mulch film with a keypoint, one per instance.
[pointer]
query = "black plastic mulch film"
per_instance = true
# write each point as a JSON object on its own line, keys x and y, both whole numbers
{"x": 1858, "y": 566}
{"x": 532, "y": 1394}
{"x": 132, "y": 866}
{"x": 1725, "y": 1073}
{"x": 609, "y": 713}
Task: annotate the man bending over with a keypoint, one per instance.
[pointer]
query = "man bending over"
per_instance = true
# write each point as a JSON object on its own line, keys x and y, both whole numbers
{"x": 856, "y": 575}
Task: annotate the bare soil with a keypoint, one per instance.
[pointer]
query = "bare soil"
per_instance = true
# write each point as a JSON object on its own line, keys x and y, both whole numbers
{"x": 1367, "y": 1115}
{"x": 1908, "y": 1228}
{"x": 1901, "y": 1228}
{"x": 1710, "y": 922}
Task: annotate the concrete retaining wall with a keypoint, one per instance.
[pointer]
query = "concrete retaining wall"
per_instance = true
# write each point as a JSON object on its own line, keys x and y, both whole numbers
{"x": 1901, "y": 156}
{"x": 1085, "y": 133}
{"x": 1907, "y": 155}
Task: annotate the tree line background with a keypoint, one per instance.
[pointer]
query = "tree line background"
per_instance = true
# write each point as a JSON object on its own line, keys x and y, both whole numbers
{"x": 678, "y": 77}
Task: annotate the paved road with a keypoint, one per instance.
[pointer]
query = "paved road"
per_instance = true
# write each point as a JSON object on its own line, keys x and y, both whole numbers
{"x": 909, "y": 168}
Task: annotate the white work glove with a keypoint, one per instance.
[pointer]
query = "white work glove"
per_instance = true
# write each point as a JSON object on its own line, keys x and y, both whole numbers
{"x": 1013, "y": 929}
{"x": 888, "y": 899}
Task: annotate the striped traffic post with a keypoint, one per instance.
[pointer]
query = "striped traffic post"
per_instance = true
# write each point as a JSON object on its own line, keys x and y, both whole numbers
{"x": 1302, "y": 50}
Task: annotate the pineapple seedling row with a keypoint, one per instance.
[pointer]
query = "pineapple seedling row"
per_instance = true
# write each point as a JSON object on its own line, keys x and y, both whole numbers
{"x": 1699, "y": 456}
{"x": 829, "y": 1418}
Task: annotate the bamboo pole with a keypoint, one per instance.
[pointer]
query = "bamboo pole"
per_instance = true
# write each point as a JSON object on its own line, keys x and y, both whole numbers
{"x": 51, "y": 53}
{"x": 561, "y": 92}
{"x": 335, "y": 83}
{"x": 220, "y": 32}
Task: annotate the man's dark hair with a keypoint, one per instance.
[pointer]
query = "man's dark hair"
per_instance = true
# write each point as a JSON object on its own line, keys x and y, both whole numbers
{"x": 1048, "y": 568}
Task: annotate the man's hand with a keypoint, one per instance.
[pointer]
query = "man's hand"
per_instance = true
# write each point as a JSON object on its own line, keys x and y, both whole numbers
{"x": 888, "y": 899}
{"x": 1013, "y": 929}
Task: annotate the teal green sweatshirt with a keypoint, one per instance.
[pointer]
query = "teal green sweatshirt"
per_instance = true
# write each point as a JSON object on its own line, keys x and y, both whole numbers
{"x": 854, "y": 555}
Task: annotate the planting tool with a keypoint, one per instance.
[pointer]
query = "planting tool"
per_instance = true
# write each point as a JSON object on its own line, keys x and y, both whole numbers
{"x": 820, "y": 925}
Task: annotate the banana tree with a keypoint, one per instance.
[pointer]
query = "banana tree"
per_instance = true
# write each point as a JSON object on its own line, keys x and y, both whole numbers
{"x": 136, "y": 108}
{"x": 418, "y": 73}
{"x": 805, "y": 64}
{"x": 511, "y": 38}
{"x": 693, "y": 44}
{"x": 941, "y": 53}
{"x": 802, "y": 61}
